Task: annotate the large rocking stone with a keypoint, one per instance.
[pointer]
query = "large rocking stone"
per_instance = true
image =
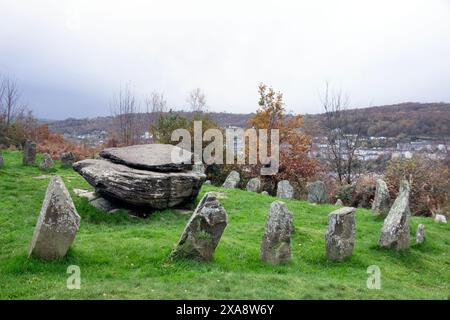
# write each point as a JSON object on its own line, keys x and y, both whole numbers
{"x": 381, "y": 202}
{"x": 395, "y": 230}
{"x": 203, "y": 231}
{"x": 276, "y": 242}
{"x": 29, "y": 153}
{"x": 340, "y": 236}
{"x": 141, "y": 188}
{"x": 285, "y": 190}
{"x": 57, "y": 224}
{"x": 254, "y": 185}
{"x": 232, "y": 181}
{"x": 317, "y": 192}
{"x": 153, "y": 157}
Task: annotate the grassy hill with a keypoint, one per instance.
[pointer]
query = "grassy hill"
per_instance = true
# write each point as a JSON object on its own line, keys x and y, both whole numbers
{"x": 122, "y": 257}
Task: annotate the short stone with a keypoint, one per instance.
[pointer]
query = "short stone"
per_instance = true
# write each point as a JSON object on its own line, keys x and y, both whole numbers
{"x": 276, "y": 242}
{"x": 1, "y": 160}
{"x": 254, "y": 185}
{"x": 285, "y": 190}
{"x": 420, "y": 234}
{"x": 29, "y": 153}
{"x": 67, "y": 159}
{"x": 57, "y": 224}
{"x": 440, "y": 218}
{"x": 265, "y": 193}
{"x": 382, "y": 200}
{"x": 340, "y": 236}
{"x": 207, "y": 182}
{"x": 232, "y": 181}
{"x": 339, "y": 203}
{"x": 47, "y": 162}
{"x": 203, "y": 231}
{"x": 395, "y": 230}
{"x": 103, "y": 204}
{"x": 317, "y": 192}
{"x": 199, "y": 167}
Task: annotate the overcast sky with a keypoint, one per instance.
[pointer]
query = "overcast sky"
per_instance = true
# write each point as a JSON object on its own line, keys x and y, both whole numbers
{"x": 71, "y": 56}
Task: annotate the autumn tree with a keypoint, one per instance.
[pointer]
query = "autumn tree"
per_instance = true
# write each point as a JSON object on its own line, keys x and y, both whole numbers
{"x": 295, "y": 165}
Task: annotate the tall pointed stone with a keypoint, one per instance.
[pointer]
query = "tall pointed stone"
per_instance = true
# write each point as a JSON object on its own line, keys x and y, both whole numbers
{"x": 57, "y": 224}
{"x": 203, "y": 231}
{"x": 29, "y": 153}
{"x": 395, "y": 230}
{"x": 232, "y": 181}
{"x": 381, "y": 202}
{"x": 340, "y": 236}
{"x": 276, "y": 242}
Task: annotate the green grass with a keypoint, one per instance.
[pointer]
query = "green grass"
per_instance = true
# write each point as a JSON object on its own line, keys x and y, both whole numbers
{"x": 122, "y": 257}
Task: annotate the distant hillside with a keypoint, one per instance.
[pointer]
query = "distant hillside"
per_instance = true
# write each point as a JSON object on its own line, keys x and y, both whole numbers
{"x": 409, "y": 119}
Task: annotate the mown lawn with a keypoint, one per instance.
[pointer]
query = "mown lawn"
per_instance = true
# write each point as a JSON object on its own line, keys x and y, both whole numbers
{"x": 122, "y": 257}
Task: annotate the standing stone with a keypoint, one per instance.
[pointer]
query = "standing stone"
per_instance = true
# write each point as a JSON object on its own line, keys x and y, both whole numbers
{"x": 265, "y": 193}
{"x": 207, "y": 182}
{"x": 276, "y": 242}
{"x": 203, "y": 231}
{"x": 381, "y": 202}
{"x": 339, "y": 203}
{"x": 232, "y": 180}
{"x": 420, "y": 234}
{"x": 29, "y": 153}
{"x": 1, "y": 160}
{"x": 67, "y": 159}
{"x": 47, "y": 163}
{"x": 440, "y": 218}
{"x": 395, "y": 231}
{"x": 57, "y": 224}
{"x": 340, "y": 236}
{"x": 285, "y": 190}
{"x": 317, "y": 192}
{"x": 254, "y": 185}
{"x": 199, "y": 167}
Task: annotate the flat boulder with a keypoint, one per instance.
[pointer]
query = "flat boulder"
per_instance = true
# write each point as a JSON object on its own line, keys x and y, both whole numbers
{"x": 382, "y": 200}
{"x": 203, "y": 230}
{"x": 254, "y": 185}
{"x": 285, "y": 190}
{"x": 317, "y": 192}
{"x": 340, "y": 235}
{"x": 395, "y": 230}
{"x": 57, "y": 224}
{"x": 276, "y": 242}
{"x": 232, "y": 181}
{"x": 152, "y": 157}
{"x": 140, "y": 188}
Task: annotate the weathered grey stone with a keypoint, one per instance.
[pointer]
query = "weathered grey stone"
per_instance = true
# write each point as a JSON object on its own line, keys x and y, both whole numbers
{"x": 276, "y": 242}
{"x": 199, "y": 167}
{"x": 29, "y": 153}
{"x": 153, "y": 157}
{"x": 207, "y": 182}
{"x": 420, "y": 234}
{"x": 142, "y": 188}
{"x": 285, "y": 190}
{"x": 339, "y": 203}
{"x": 440, "y": 218}
{"x": 203, "y": 231}
{"x": 395, "y": 230}
{"x": 254, "y": 185}
{"x": 47, "y": 162}
{"x": 1, "y": 160}
{"x": 57, "y": 224}
{"x": 232, "y": 181}
{"x": 67, "y": 159}
{"x": 340, "y": 236}
{"x": 103, "y": 204}
{"x": 317, "y": 192}
{"x": 265, "y": 193}
{"x": 382, "y": 200}
{"x": 89, "y": 195}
